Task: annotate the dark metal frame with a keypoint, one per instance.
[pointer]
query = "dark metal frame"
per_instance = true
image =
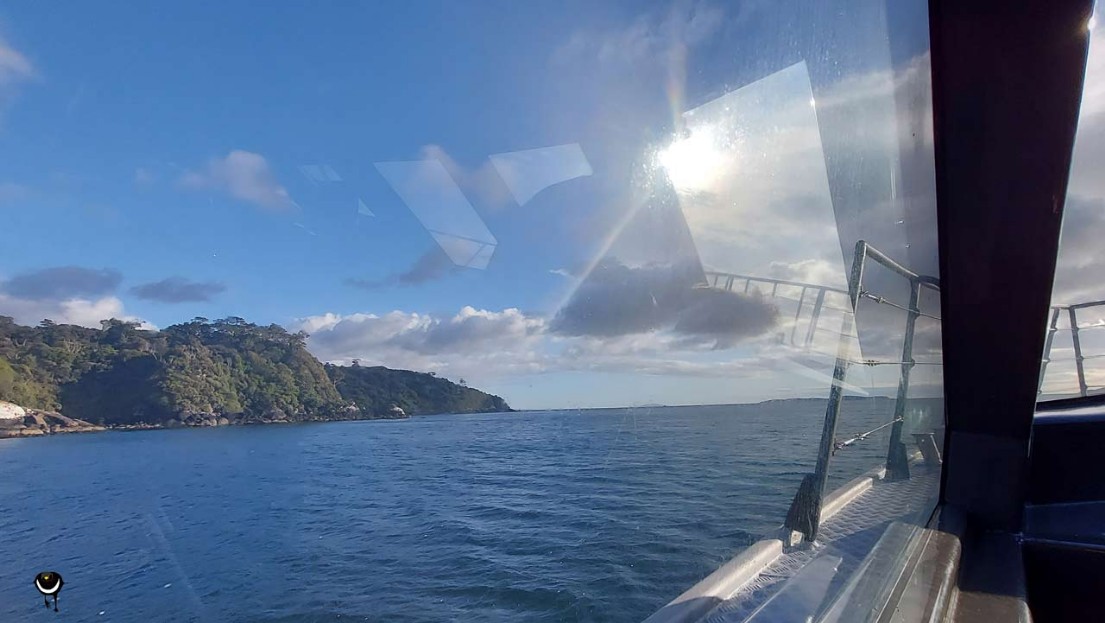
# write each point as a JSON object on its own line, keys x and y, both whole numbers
{"x": 1007, "y": 85}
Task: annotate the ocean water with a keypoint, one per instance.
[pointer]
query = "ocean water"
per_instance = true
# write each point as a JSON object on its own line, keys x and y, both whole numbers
{"x": 600, "y": 515}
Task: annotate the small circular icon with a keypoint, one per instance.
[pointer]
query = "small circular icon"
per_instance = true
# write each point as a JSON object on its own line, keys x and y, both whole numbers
{"x": 49, "y": 583}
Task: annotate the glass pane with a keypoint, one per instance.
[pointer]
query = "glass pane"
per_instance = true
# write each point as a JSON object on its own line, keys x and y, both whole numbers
{"x": 464, "y": 311}
{"x": 1074, "y": 357}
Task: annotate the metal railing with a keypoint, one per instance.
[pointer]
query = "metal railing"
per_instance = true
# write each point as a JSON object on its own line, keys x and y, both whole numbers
{"x": 727, "y": 281}
{"x": 805, "y": 511}
{"x": 1076, "y": 340}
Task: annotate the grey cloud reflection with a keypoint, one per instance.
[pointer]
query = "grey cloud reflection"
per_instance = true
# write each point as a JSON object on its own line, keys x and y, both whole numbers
{"x": 530, "y": 171}
{"x": 439, "y": 205}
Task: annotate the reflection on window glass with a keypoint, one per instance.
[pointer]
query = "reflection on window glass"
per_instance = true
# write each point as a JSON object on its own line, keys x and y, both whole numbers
{"x": 1074, "y": 357}
{"x": 466, "y": 311}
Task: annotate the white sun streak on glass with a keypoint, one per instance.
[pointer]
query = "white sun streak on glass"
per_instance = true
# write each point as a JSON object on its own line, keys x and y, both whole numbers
{"x": 693, "y": 162}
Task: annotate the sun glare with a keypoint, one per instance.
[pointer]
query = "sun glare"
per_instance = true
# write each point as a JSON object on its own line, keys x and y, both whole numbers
{"x": 692, "y": 162}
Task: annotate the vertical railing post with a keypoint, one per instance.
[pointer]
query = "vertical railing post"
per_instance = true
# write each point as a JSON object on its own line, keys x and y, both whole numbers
{"x": 804, "y": 515}
{"x": 1082, "y": 389}
{"x": 1053, "y": 326}
{"x": 897, "y": 462}
{"x": 815, "y": 315}
{"x": 797, "y": 314}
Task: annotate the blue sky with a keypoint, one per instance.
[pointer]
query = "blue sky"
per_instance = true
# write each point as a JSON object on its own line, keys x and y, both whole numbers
{"x": 486, "y": 190}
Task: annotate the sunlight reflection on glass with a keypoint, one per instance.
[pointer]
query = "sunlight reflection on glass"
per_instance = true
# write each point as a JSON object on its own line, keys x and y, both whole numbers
{"x": 751, "y": 182}
{"x": 528, "y": 172}
{"x": 437, "y": 202}
{"x": 693, "y": 162}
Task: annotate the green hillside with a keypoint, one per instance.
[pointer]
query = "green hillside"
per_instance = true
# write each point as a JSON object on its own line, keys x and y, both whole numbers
{"x": 206, "y": 373}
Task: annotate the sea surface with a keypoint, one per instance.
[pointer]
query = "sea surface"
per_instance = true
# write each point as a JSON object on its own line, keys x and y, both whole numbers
{"x": 600, "y": 515}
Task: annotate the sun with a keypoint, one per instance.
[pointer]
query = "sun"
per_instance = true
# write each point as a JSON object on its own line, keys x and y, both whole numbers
{"x": 694, "y": 161}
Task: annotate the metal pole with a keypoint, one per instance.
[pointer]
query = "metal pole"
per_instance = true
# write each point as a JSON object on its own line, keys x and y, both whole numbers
{"x": 843, "y": 356}
{"x": 1082, "y": 389}
{"x": 805, "y": 511}
{"x": 797, "y": 314}
{"x": 897, "y": 463}
{"x": 1052, "y": 328}
{"x": 815, "y": 315}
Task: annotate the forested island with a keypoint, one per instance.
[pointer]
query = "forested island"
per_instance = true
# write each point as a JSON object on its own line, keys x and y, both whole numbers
{"x": 207, "y": 373}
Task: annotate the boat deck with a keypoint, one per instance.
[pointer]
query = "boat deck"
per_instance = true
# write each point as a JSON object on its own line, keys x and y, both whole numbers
{"x": 845, "y": 541}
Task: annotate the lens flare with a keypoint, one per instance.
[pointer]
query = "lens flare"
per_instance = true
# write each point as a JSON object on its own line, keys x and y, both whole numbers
{"x": 694, "y": 161}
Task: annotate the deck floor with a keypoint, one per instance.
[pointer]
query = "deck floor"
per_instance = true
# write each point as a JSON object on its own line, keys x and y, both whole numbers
{"x": 850, "y": 534}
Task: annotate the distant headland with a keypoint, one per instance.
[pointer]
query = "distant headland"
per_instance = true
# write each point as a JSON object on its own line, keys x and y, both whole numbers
{"x": 200, "y": 373}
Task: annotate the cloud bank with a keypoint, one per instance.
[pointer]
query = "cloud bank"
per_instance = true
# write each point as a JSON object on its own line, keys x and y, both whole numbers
{"x": 65, "y": 295}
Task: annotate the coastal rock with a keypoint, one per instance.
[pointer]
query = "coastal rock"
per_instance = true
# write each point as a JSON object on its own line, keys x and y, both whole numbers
{"x": 222, "y": 421}
{"x": 11, "y": 424}
{"x": 34, "y": 422}
{"x": 10, "y": 411}
{"x": 276, "y": 415}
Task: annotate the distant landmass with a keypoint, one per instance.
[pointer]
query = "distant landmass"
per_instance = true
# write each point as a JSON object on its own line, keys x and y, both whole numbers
{"x": 207, "y": 373}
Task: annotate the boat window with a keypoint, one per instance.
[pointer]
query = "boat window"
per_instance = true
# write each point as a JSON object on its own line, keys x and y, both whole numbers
{"x": 1074, "y": 350}
{"x": 445, "y": 310}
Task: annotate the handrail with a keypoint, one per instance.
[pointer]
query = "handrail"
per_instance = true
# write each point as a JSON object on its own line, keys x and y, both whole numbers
{"x": 804, "y": 515}
{"x": 735, "y": 277}
{"x": 726, "y": 281}
{"x": 1079, "y": 358}
{"x": 811, "y": 506}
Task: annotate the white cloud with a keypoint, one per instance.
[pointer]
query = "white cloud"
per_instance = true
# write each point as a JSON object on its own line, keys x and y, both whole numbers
{"x": 244, "y": 175}
{"x": 649, "y": 37}
{"x": 143, "y": 177}
{"x": 1093, "y": 93}
{"x": 481, "y": 345}
{"x": 481, "y": 183}
{"x": 472, "y": 341}
{"x": 817, "y": 271}
{"x": 11, "y": 192}
{"x": 78, "y": 311}
{"x": 14, "y": 67}
{"x": 1080, "y": 270}
{"x": 65, "y": 295}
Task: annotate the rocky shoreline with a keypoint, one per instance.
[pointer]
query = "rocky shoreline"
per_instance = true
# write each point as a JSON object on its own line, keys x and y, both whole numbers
{"x": 17, "y": 421}
{"x": 211, "y": 420}
{"x": 20, "y": 422}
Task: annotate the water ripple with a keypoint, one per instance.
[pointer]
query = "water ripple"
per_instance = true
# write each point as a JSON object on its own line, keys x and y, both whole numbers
{"x": 557, "y": 516}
